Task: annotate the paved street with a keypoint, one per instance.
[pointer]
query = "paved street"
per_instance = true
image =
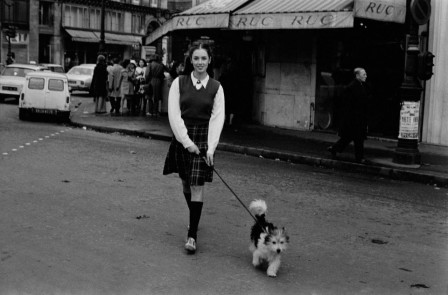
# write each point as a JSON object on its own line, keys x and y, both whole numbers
{"x": 83, "y": 212}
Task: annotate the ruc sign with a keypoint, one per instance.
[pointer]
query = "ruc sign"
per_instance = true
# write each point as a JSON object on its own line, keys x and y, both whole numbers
{"x": 381, "y": 10}
{"x": 303, "y": 20}
{"x": 202, "y": 21}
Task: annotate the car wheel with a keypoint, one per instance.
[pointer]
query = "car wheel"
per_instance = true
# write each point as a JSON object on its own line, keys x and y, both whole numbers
{"x": 23, "y": 114}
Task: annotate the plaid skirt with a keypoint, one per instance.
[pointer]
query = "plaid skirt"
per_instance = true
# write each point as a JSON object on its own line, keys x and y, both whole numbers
{"x": 190, "y": 167}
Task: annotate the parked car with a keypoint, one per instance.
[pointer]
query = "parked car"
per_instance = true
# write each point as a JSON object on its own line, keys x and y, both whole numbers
{"x": 80, "y": 77}
{"x": 45, "y": 93}
{"x": 53, "y": 67}
{"x": 12, "y": 79}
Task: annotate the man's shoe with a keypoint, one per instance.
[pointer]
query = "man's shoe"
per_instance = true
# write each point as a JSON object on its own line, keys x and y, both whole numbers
{"x": 190, "y": 246}
{"x": 332, "y": 151}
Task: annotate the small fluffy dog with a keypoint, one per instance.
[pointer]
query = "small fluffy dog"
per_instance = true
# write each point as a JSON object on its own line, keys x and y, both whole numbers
{"x": 268, "y": 241}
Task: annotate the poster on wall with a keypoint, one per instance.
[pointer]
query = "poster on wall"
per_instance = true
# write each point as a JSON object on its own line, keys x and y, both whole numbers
{"x": 409, "y": 118}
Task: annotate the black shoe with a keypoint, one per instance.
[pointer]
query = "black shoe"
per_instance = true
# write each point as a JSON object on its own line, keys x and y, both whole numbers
{"x": 332, "y": 151}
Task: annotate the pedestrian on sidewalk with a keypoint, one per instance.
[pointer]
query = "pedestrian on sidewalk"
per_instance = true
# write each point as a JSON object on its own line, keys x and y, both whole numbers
{"x": 127, "y": 84}
{"x": 114, "y": 89}
{"x": 355, "y": 107}
{"x": 155, "y": 74}
{"x": 140, "y": 73}
{"x": 98, "y": 87}
{"x": 196, "y": 114}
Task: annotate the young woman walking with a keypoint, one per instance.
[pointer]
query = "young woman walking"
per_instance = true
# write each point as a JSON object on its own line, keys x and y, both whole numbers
{"x": 196, "y": 115}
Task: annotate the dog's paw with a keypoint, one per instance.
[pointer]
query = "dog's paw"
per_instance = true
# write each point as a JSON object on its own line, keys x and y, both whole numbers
{"x": 271, "y": 274}
{"x": 255, "y": 263}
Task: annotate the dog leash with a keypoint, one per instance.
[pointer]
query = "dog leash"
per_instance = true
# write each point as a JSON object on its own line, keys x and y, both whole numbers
{"x": 236, "y": 196}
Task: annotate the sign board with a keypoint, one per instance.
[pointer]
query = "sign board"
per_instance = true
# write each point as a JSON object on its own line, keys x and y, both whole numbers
{"x": 421, "y": 11}
{"x": 302, "y": 20}
{"x": 381, "y": 10}
{"x": 203, "y": 21}
{"x": 409, "y": 119}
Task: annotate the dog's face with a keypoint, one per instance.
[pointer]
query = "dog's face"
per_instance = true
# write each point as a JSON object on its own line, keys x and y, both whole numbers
{"x": 277, "y": 240}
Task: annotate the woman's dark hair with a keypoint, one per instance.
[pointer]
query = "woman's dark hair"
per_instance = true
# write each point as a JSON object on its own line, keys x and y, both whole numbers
{"x": 200, "y": 45}
{"x": 144, "y": 62}
{"x": 125, "y": 63}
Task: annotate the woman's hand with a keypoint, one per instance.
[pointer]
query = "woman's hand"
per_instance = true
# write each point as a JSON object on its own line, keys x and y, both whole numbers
{"x": 209, "y": 159}
{"x": 193, "y": 149}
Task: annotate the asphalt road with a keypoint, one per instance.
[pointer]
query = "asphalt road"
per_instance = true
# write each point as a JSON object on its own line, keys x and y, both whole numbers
{"x": 83, "y": 212}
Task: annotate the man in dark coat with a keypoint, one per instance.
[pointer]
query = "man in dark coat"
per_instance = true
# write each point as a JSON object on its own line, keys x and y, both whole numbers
{"x": 154, "y": 76}
{"x": 98, "y": 88}
{"x": 355, "y": 106}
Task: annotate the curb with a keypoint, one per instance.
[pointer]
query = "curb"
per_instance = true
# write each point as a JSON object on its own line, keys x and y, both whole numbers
{"x": 387, "y": 172}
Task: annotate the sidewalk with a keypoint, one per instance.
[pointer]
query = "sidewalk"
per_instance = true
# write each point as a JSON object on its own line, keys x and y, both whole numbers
{"x": 302, "y": 147}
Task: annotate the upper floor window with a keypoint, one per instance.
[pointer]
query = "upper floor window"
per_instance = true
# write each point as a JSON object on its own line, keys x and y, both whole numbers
{"x": 95, "y": 18}
{"x": 138, "y": 22}
{"x": 76, "y": 16}
{"x": 15, "y": 12}
{"x": 154, "y": 3}
{"x": 114, "y": 21}
{"x": 45, "y": 13}
{"x": 83, "y": 17}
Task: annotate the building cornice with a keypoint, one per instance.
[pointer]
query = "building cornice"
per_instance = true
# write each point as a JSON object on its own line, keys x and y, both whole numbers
{"x": 120, "y": 6}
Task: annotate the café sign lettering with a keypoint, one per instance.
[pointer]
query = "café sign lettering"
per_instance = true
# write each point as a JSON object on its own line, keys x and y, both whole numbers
{"x": 312, "y": 20}
{"x": 381, "y": 10}
{"x": 201, "y": 21}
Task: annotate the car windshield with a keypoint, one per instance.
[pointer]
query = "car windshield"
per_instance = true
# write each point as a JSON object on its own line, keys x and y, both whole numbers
{"x": 57, "y": 69}
{"x": 16, "y": 72}
{"x": 80, "y": 71}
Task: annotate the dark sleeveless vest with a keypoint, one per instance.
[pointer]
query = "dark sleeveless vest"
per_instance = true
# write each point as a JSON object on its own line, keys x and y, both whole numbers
{"x": 196, "y": 105}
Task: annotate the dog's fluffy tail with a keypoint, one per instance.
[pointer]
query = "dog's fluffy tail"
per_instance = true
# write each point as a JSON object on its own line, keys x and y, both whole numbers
{"x": 258, "y": 207}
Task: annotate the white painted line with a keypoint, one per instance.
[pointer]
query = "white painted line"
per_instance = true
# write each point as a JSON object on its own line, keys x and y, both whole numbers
{"x": 34, "y": 141}
{"x": 46, "y": 136}
{"x": 21, "y": 146}
{"x": 5, "y": 154}
{"x": 14, "y": 150}
{"x": 27, "y": 143}
{"x": 41, "y": 139}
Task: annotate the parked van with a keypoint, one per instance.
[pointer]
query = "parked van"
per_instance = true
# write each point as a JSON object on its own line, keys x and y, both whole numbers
{"x": 45, "y": 93}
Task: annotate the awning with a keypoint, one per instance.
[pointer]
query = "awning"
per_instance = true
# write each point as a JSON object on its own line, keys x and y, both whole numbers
{"x": 281, "y": 14}
{"x": 121, "y": 39}
{"x": 213, "y": 14}
{"x": 293, "y": 14}
{"x": 83, "y": 36}
{"x": 109, "y": 38}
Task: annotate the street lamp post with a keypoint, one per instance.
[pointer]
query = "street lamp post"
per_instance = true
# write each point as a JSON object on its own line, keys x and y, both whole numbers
{"x": 102, "y": 45}
{"x": 407, "y": 152}
{"x": 10, "y": 33}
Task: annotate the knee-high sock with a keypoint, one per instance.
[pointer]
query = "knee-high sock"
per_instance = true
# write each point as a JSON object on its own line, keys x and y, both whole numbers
{"x": 188, "y": 199}
{"x": 195, "y": 216}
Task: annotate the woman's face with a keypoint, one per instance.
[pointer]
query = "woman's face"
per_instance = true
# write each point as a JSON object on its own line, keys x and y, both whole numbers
{"x": 200, "y": 60}
{"x": 141, "y": 64}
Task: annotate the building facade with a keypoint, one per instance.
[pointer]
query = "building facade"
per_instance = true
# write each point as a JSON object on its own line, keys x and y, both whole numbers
{"x": 435, "y": 105}
{"x": 68, "y": 32}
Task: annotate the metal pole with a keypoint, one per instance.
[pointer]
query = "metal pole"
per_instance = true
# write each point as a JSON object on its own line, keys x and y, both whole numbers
{"x": 407, "y": 152}
{"x": 102, "y": 45}
{"x": 10, "y": 33}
